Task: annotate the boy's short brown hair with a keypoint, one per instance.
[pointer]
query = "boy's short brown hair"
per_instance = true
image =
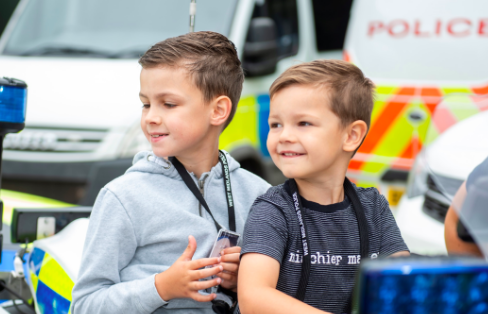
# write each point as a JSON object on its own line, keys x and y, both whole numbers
{"x": 211, "y": 59}
{"x": 351, "y": 95}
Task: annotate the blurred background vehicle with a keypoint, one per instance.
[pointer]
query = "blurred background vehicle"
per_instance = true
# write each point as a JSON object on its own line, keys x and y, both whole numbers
{"x": 440, "y": 169}
{"x": 81, "y": 59}
{"x": 416, "y": 52}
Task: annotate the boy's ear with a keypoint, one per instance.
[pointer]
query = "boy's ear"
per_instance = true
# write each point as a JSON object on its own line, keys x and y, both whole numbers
{"x": 221, "y": 108}
{"x": 354, "y": 135}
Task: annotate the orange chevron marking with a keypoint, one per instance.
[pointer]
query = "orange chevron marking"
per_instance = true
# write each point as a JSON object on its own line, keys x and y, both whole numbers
{"x": 383, "y": 122}
{"x": 480, "y": 90}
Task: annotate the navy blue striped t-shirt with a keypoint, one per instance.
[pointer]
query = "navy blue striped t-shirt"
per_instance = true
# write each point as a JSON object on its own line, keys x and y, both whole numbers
{"x": 272, "y": 229}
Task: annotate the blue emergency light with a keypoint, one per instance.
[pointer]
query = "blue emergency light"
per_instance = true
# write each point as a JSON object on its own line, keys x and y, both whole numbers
{"x": 422, "y": 285}
{"x": 13, "y": 102}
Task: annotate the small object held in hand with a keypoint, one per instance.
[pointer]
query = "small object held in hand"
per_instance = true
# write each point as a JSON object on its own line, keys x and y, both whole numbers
{"x": 225, "y": 239}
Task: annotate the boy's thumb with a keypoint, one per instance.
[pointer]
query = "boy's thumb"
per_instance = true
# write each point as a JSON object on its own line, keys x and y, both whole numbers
{"x": 190, "y": 249}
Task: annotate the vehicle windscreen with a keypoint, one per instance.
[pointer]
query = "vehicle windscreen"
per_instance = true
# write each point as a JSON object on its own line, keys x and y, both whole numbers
{"x": 109, "y": 28}
{"x": 441, "y": 40}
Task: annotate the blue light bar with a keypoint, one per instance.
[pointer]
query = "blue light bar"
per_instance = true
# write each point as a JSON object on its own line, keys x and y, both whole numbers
{"x": 419, "y": 285}
{"x": 13, "y": 103}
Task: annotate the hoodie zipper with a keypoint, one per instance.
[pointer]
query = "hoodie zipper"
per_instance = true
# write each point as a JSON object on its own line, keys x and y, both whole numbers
{"x": 201, "y": 184}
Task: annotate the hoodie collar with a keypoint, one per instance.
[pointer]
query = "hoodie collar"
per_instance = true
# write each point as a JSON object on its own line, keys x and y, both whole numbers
{"x": 146, "y": 161}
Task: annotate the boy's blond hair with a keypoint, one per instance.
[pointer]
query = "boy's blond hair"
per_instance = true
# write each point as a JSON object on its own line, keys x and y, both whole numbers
{"x": 211, "y": 59}
{"x": 350, "y": 94}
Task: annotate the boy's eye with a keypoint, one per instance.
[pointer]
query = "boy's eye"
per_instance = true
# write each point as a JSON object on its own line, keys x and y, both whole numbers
{"x": 146, "y": 106}
{"x": 275, "y": 125}
{"x": 168, "y": 105}
{"x": 304, "y": 123}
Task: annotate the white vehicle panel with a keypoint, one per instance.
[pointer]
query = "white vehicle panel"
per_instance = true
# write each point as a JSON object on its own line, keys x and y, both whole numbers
{"x": 422, "y": 234}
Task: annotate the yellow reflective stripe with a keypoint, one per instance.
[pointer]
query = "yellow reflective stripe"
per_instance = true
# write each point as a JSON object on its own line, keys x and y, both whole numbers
{"x": 13, "y": 199}
{"x": 244, "y": 127}
{"x": 34, "y": 280}
{"x": 397, "y": 137}
{"x": 33, "y": 199}
{"x": 388, "y": 90}
{"x": 375, "y": 165}
{"x": 377, "y": 109}
{"x": 432, "y": 134}
{"x": 450, "y": 90}
{"x": 423, "y": 128}
{"x": 53, "y": 275}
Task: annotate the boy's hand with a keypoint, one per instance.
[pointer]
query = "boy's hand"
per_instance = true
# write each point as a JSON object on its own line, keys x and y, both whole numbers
{"x": 230, "y": 262}
{"x": 181, "y": 280}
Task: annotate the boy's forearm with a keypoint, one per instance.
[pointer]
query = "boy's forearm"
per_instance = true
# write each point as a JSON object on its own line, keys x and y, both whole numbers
{"x": 267, "y": 300}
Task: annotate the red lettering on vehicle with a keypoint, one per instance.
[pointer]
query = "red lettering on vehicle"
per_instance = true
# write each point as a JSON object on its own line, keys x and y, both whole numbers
{"x": 438, "y": 26}
{"x": 374, "y": 27}
{"x": 456, "y": 33}
{"x": 398, "y": 28}
{"x": 483, "y": 29}
{"x": 418, "y": 32}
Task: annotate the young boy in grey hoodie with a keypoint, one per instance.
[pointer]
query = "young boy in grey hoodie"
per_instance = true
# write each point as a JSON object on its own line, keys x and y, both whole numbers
{"x": 141, "y": 253}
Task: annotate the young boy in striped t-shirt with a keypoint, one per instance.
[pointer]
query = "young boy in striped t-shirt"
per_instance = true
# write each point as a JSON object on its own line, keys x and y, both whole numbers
{"x": 304, "y": 239}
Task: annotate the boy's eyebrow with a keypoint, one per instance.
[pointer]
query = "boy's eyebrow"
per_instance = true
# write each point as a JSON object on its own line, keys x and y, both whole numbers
{"x": 160, "y": 95}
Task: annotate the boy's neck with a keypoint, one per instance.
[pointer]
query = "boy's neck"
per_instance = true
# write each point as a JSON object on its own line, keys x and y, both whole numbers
{"x": 200, "y": 160}
{"x": 324, "y": 190}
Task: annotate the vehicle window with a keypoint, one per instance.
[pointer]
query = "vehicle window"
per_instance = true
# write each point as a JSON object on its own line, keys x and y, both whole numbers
{"x": 8, "y": 6}
{"x": 331, "y": 19}
{"x": 284, "y": 13}
{"x": 110, "y": 28}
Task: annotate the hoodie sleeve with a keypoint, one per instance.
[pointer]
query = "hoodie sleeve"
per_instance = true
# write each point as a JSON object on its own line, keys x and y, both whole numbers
{"x": 109, "y": 247}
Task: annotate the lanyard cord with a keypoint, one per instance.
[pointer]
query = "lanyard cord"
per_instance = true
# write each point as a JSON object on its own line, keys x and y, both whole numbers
{"x": 227, "y": 188}
{"x": 363, "y": 232}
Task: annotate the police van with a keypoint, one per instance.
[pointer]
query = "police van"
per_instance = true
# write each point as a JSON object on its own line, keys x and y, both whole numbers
{"x": 79, "y": 58}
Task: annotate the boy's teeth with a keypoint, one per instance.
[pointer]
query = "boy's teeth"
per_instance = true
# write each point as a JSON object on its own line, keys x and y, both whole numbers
{"x": 290, "y": 154}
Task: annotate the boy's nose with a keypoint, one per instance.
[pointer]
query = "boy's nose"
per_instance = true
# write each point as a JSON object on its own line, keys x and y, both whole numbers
{"x": 153, "y": 118}
{"x": 287, "y": 135}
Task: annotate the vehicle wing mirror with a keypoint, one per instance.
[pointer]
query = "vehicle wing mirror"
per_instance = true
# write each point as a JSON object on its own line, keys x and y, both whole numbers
{"x": 29, "y": 224}
{"x": 260, "y": 55}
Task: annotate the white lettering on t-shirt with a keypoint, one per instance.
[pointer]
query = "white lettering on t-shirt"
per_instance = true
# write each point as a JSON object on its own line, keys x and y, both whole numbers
{"x": 328, "y": 259}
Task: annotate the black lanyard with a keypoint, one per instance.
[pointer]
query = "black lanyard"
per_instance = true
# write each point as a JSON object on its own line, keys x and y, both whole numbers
{"x": 227, "y": 189}
{"x": 363, "y": 231}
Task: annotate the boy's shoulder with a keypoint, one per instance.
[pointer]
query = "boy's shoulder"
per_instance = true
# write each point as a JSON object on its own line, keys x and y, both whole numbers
{"x": 280, "y": 196}
{"x": 371, "y": 199}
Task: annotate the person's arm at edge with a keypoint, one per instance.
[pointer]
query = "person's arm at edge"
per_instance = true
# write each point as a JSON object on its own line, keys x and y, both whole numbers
{"x": 454, "y": 244}
{"x": 258, "y": 276}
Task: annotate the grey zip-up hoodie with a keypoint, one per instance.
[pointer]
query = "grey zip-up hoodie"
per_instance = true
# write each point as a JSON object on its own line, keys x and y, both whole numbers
{"x": 140, "y": 225}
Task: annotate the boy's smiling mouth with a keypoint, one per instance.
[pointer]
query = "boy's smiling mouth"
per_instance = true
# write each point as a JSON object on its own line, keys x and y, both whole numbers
{"x": 290, "y": 154}
{"x": 157, "y": 136}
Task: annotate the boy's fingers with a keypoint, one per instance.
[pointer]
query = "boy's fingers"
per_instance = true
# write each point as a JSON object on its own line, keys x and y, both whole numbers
{"x": 231, "y": 258}
{"x": 230, "y": 267}
{"x": 205, "y": 284}
{"x": 231, "y": 250}
{"x": 207, "y": 272}
{"x": 202, "y": 297}
{"x": 227, "y": 277}
{"x": 190, "y": 249}
{"x": 202, "y": 262}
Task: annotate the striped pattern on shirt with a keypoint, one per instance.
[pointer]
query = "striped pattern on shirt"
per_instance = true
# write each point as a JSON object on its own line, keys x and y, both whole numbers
{"x": 272, "y": 229}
